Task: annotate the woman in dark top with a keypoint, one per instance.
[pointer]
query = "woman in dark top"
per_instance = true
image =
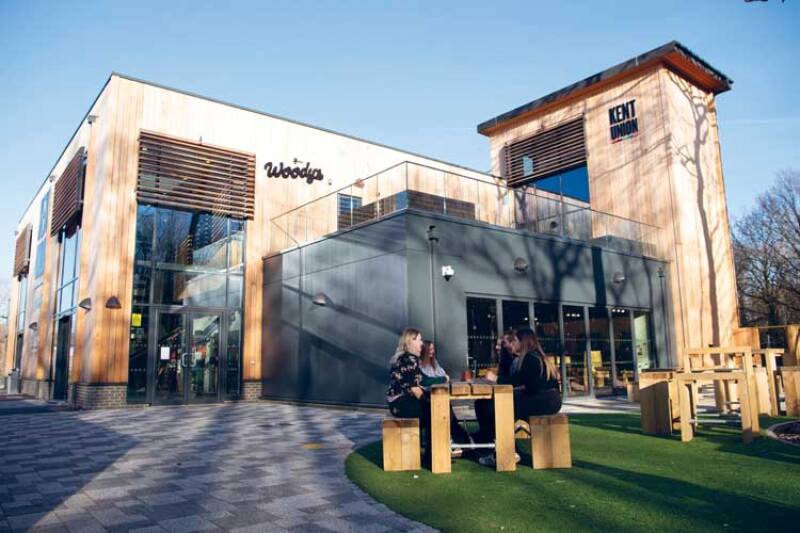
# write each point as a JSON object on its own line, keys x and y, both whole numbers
{"x": 535, "y": 381}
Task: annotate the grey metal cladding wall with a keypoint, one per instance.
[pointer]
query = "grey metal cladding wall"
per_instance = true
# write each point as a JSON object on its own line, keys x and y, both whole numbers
{"x": 483, "y": 258}
{"x": 342, "y": 354}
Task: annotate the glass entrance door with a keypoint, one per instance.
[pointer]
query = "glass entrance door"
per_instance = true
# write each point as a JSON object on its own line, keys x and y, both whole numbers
{"x": 204, "y": 357}
{"x": 187, "y": 352}
{"x": 575, "y": 350}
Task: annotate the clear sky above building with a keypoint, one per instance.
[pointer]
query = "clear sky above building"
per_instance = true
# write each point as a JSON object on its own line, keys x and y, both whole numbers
{"x": 414, "y": 75}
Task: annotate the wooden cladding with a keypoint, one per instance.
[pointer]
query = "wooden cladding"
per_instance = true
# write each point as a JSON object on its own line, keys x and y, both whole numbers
{"x": 68, "y": 194}
{"x": 189, "y": 175}
{"x": 546, "y": 153}
{"x": 22, "y": 253}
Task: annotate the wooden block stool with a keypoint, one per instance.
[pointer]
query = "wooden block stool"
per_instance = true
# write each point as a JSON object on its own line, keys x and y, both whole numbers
{"x": 550, "y": 446}
{"x": 401, "y": 444}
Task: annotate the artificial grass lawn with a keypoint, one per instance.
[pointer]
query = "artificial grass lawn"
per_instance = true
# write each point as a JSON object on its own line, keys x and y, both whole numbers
{"x": 621, "y": 480}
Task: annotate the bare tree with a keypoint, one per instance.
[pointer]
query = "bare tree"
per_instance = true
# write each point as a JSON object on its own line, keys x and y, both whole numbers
{"x": 766, "y": 244}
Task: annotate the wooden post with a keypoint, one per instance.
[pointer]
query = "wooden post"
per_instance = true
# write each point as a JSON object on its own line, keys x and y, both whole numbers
{"x": 684, "y": 391}
{"x": 504, "y": 428}
{"x": 440, "y": 429}
{"x": 747, "y": 414}
{"x": 763, "y": 391}
{"x": 791, "y": 389}
{"x": 401, "y": 444}
{"x": 633, "y": 392}
{"x": 792, "y": 355}
{"x": 772, "y": 378}
{"x": 550, "y": 445}
{"x": 656, "y": 407}
{"x": 752, "y": 401}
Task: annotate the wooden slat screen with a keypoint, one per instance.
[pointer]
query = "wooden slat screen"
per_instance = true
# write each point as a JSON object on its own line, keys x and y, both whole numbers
{"x": 68, "y": 194}
{"x": 184, "y": 174}
{"x": 559, "y": 148}
{"x": 22, "y": 253}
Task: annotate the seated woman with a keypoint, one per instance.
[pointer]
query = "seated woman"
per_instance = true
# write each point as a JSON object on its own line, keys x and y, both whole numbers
{"x": 432, "y": 371}
{"x": 536, "y": 387}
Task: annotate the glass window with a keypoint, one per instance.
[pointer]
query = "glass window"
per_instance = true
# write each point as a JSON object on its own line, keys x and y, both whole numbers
{"x": 572, "y": 183}
{"x": 600, "y": 350}
{"x": 236, "y": 246}
{"x": 189, "y": 288}
{"x": 145, "y": 219}
{"x": 44, "y": 208}
{"x": 481, "y": 331}
{"x": 548, "y": 330}
{"x": 41, "y": 250}
{"x": 66, "y": 298}
{"x": 142, "y": 274}
{"x": 184, "y": 238}
{"x": 645, "y": 352}
{"x": 22, "y": 302}
{"x": 623, "y": 346}
{"x": 515, "y": 315}
{"x": 69, "y": 248}
{"x": 575, "y": 350}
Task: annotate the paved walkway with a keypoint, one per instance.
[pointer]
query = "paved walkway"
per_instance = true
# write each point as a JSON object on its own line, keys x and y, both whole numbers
{"x": 12, "y": 404}
{"x": 232, "y": 467}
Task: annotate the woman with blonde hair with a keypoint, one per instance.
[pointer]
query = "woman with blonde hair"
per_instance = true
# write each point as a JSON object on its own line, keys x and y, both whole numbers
{"x": 536, "y": 385}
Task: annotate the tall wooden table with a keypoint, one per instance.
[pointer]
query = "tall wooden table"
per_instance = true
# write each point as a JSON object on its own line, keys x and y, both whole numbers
{"x": 743, "y": 381}
{"x": 503, "y": 396}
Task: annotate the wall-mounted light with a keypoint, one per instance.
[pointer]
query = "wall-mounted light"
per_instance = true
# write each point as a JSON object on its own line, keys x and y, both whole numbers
{"x": 113, "y": 303}
{"x": 33, "y": 326}
{"x": 618, "y": 277}
{"x": 660, "y": 272}
{"x": 520, "y": 265}
{"x": 52, "y": 178}
{"x": 86, "y": 303}
{"x": 320, "y": 299}
{"x": 91, "y": 119}
{"x": 553, "y": 224}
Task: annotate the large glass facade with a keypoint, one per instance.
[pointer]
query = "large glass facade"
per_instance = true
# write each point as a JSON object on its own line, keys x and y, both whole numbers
{"x": 572, "y": 183}
{"x": 188, "y": 278}
{"x": 594, "y": 346}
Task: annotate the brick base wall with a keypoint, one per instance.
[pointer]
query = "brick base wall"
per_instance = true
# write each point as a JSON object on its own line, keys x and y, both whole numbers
{"x": 37, "y": 388}
{"x": 251, "y": 390}
{"x": 88, "y": 396}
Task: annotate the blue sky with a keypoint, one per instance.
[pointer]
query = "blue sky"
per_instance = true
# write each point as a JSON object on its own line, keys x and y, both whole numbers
{"x": 415, "y": 75}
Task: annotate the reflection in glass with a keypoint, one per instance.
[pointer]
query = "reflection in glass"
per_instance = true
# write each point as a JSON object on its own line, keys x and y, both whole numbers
{"x": 645, "y": 354}
{"x": 600, "y": 350}
{"x": 232, "y": 363}
{"x": 189, "y": 288}
{"x": 191, "y": 238}
{"x": 481, "y": 331}
{"x": 575, "y": 350}
{"x": 623, "y": 347}
{"x": 170, "y": 361}
{"x": 515, "y": 315}
{"x": 145, "y": 219}
{"x": 137, "y": 359}
{"x": 548, "y": 331}
{"x": 204, "y": 356}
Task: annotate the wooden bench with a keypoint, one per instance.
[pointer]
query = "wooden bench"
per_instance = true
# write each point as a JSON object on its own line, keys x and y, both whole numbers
{"x": 401, "y": 444}
{"x": 791, "y": 389}
{"x": 550, "y": 446}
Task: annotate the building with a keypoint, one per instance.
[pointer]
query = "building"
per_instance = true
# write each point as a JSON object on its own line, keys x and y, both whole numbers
{"x": 189, "y": 250}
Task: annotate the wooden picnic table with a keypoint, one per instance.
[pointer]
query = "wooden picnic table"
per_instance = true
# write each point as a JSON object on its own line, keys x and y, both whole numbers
{"x": 503, "y": 396}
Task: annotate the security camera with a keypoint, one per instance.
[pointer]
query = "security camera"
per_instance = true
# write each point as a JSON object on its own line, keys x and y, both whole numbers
{"x": 448, "y": 272}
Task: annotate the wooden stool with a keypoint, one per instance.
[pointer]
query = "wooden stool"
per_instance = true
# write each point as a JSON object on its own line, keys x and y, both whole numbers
{"x": 657, "y": 407}
{"x": 633, "y": 392}
{"x": 401, "y": 444}
{"x": 550, "y": 447}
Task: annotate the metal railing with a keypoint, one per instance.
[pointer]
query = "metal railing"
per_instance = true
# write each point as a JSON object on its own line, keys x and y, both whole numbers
{"x": 410, "y": 185}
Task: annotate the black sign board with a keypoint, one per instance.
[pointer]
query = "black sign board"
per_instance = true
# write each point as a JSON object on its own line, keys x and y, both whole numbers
{"x": 623, "y": 121}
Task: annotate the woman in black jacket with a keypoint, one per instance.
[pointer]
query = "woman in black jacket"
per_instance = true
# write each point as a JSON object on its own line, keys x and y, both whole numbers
{"x": 535, "y": 381}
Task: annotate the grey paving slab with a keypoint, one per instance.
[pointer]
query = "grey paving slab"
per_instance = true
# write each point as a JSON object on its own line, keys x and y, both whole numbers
{"x": 229, "y": 467}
